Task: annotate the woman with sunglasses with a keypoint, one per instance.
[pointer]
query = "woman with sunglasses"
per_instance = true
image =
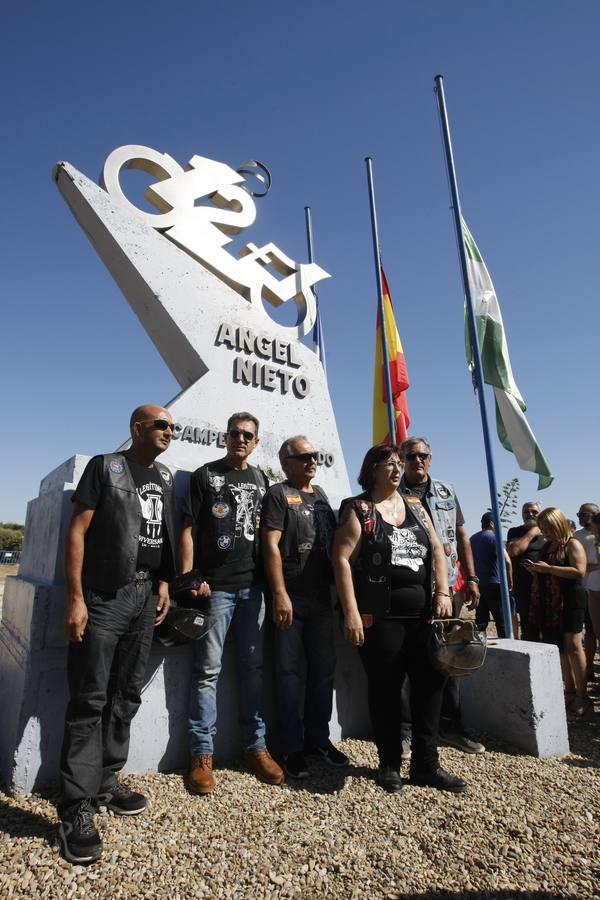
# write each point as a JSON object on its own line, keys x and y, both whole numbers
{"x": 387, "y": 559}
{"x": 558, "y": 600}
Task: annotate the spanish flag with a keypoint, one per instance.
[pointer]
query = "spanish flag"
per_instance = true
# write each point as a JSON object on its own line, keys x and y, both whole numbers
{"x": 398, "y": 376}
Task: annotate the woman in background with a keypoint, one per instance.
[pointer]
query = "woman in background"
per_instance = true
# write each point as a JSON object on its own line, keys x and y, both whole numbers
{"x": 557, "y": 604}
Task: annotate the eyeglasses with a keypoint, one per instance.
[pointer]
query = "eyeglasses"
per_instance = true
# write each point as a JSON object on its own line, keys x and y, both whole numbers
{"x": 239, "y": 432}
{"x": 305, "y": 457}
{"x": 160, "y": 424}
{"x": 412, "y": 456}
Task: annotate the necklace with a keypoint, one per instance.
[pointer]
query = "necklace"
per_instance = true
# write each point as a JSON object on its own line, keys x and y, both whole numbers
{"x": 393, "y": 507}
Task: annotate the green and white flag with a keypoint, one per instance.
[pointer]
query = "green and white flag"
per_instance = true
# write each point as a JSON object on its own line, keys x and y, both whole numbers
{"x": 513, "y": 429}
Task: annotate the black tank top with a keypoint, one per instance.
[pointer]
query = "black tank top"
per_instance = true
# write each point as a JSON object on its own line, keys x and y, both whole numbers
{"x": 408, "y": 570}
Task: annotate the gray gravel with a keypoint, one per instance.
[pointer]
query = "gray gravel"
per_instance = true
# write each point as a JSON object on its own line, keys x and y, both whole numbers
{"x": 526, "y": 828}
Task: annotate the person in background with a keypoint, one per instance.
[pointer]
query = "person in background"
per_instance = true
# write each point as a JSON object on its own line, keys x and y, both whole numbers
{"x": 586, "y": 534}
{"x": 297, "y": 530}
{"x": 557, "y": 603}
{"x": 386, "y": 559}
{"x": 485, "y": 556}
{"x": 524, "y": 542}
{"x": 441, "y": 504}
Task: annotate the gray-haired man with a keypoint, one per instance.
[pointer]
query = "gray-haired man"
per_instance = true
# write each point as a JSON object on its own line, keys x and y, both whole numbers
{"x": 441, "y": 503}
{"x": 297, "y": 527}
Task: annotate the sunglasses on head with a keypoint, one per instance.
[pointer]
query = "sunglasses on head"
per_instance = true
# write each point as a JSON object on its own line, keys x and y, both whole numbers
{"x": 239, "y": 432}
{"x": 161, "y": 424}
{"x": 305, "y": 457}
{"x": 412, "y": 456}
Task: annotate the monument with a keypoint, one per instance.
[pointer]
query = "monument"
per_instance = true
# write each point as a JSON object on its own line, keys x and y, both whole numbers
{"x": 206, "y": 311}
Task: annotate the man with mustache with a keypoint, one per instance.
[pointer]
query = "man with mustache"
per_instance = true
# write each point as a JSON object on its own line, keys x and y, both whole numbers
{"x": 297, "y": 529}
{"x": 441, "y": 503}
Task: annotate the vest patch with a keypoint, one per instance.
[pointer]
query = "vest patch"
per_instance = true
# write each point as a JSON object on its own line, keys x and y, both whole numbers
{"x": 216, "y": 482}
{"x": 293, "y": 499}
{"x": 220, "y": 509}
{"x": 116, "y": 466}
{"x": 224, "y": 542}
{"x": 166, "y": 475}
{"x": 414, "y": 500}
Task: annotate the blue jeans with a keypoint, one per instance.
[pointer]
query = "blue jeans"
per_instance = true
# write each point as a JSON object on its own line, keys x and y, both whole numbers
{"x": 246, "y": 610}
{"x": 305, "y": 665}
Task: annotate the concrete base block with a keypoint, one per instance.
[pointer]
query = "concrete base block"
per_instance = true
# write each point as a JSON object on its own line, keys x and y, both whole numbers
{"x": 517, "y": 696}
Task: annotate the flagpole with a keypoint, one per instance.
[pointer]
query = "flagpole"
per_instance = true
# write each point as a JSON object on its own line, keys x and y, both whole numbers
{"x": 309, "y": 237}
{"x": 479, "y": 383}
{"x": 377, "y": 254}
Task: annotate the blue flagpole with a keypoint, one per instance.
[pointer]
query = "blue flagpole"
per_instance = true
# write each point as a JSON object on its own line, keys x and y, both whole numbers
{"x": 377, "y": 254}
{"x": 318, "y": 337}
{"x": 479, "y": 383}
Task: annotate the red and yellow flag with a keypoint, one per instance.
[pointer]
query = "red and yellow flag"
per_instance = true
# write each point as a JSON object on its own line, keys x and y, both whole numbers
{"x": 398, "y": 376}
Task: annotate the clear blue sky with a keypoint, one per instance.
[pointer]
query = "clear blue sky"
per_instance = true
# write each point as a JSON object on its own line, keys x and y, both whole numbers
{"x": 311, "y": 89}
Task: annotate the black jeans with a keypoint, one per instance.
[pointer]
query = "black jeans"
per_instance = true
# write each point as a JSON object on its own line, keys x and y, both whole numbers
{"x": 393, "y": 648}
{"x": 106, "y": 675}
{"x": 490, "y": 601}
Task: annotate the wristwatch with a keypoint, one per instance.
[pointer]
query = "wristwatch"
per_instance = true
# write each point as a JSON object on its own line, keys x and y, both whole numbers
{"x": 473, "y": 579}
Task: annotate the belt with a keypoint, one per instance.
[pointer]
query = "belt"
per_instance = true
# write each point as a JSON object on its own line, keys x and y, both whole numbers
{"x": 142, "y": 575}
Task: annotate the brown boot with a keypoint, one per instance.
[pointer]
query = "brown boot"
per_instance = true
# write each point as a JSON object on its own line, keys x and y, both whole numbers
{"x": 262, "y": 764}
{"x": 200, "y": 778}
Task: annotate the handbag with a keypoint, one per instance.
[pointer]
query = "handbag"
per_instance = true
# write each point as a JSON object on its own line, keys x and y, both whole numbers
{"x": 456, "y": 646}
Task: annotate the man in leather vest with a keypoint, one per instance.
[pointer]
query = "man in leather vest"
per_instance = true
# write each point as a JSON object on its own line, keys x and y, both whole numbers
{"x": 118, "y": 557}
{"x": 441, "y": 503}
{"x": 297, "y": 529}
{"x": 220, "y": 538}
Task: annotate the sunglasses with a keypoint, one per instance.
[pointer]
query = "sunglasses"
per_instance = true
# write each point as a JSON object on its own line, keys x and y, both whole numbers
{"x": 305, "y": 457}
{"x": 161, "y": 424}
{"x": 239, "y": 432}
{"x": 412, "y": 456}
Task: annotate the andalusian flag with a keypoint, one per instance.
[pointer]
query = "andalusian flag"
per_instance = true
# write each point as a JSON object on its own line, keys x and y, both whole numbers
{"x": 513, "y": 429}
{"x": 398, "y": 376}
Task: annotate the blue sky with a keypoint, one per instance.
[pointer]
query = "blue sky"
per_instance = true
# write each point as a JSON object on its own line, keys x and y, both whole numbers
{"x": 312, "y": 89}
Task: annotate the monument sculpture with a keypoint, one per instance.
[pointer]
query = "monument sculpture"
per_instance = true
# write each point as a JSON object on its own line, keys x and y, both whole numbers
{"x": 206, "y": 311}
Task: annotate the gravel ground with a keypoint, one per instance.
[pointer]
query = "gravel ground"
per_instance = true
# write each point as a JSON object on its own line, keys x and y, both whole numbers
{"x": 526, "y": 828}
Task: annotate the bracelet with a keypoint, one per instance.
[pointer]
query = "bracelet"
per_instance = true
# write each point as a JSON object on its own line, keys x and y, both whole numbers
{"x": 440, "y": 594}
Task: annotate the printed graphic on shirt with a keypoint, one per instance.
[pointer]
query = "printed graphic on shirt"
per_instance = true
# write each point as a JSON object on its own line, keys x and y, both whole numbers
{"x": 150, "y": 497}
{"x": 406, "y": 550}
{"x": 245, "y": 501}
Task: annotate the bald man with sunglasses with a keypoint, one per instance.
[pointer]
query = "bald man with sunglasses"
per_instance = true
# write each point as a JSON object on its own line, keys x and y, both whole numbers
{"x": 119, "y": 559}
{"x": 297, "y": 526}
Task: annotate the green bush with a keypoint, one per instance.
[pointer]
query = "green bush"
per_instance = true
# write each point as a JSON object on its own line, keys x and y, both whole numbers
{"x": 11, "y": 536}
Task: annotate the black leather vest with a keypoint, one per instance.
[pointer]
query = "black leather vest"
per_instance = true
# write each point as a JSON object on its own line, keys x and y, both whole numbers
{"x": 372, "y": 569}
{"x": 214, "y": 533}
{"x": 111, "y": 541}
{"x": 300, "y": 531}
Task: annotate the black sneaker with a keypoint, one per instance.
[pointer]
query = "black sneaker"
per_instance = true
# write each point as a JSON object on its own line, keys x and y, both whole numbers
{"x": 77, "y": 833}
{"x": 389, "y": 779}
{"x": 461, "y": 741}
{"x": 295, "y": 765}
{"x": 331, "y": 755}
{"x": 439, "y": 779}
{"x": 122, "y": 801}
